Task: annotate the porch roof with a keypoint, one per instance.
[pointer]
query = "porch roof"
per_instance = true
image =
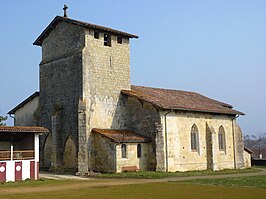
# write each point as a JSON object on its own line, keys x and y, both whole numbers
{"x": 23, "y": 129}
{"x": 121, "y": 136}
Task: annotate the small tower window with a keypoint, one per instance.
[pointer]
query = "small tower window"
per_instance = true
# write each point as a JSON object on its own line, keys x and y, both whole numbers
{"x": 139, "y": 150}
{"x": 96, "y": 35}
{"x": 119, "y": 40}
{"x": 124, "y": 151}
{"x": 107, "y": 40}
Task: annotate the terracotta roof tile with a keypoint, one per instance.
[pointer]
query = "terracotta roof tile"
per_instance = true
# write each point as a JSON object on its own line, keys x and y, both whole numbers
{"x": 180, "y": 100}
{"x": 57, "y": 19}
{"x": 23, "y": 129}
{"x": 121, "y": 135}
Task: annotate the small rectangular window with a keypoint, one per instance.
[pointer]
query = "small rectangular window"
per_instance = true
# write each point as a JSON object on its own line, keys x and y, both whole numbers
{"x": 107, "y": 40}
{"x": 119, "y": 40}
{"x": 96, "y": 35}
{"x": 124, "y": 151}
{"x": 139, "y": 150}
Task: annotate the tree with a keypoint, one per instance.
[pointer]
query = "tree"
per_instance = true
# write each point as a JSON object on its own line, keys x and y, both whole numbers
{"x": 255, "y": 141}
{"x": 2, "y": 119}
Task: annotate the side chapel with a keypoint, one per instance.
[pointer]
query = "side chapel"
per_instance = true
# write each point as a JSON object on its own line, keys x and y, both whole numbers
{"x": 98, "y": 121}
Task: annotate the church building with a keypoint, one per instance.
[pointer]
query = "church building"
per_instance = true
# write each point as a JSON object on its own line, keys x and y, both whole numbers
{"x": 98, "y": 121}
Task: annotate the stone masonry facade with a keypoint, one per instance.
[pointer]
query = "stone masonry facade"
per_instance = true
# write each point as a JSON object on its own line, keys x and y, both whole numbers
{"x": 80, "y": 84}
{"x": 83, "y": 71}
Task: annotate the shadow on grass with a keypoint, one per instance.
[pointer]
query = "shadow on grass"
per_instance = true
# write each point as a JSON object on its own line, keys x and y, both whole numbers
{"x": 156, "y": 174}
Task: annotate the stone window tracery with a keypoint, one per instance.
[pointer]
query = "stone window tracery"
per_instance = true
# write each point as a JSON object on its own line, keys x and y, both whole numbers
{"x": 221, "y": 138}
{"x": 194, "y": 134}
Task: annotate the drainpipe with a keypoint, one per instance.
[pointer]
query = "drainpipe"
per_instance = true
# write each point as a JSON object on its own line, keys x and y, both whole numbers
{"x": 166, "y": 140}
{"x": 233, "y": 131}
{"x": 10, "y": 115}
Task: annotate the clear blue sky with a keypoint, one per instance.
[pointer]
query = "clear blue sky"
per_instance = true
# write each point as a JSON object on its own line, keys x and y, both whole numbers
{"x": 216, "y": 48}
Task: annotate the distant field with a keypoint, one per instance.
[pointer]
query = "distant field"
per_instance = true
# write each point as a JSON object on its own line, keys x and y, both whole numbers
{"x": 241, "y": 187}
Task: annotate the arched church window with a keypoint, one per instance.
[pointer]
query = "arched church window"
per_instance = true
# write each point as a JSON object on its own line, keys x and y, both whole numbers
{"x": 139, "y": 150}
{"x": 194, "y": 134}
{"x": 124, "y": 151}
{"x": 221, "y": 138}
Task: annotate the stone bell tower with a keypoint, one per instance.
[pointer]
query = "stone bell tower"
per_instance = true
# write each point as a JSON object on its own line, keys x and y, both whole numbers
{"x": 83, "y": 69}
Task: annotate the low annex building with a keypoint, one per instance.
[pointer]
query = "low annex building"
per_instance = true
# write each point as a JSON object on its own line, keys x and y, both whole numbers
{"x": 119, "y": 150}
{"x": 98, "y": 121}
{"x": 19, "y": 152}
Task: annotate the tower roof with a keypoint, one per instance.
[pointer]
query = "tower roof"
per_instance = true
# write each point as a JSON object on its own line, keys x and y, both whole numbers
{"x": 57, "y": 19}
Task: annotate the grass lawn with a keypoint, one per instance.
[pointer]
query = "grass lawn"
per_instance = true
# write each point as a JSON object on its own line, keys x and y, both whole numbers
{"x": 153, "y": 174}
{"x": 240, "y": 187}
{"x": 251, "y": 181}
{"x": 149, "y": 190}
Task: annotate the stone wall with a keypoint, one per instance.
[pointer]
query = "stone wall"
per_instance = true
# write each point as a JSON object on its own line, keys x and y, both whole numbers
{"x": 80, "y": 85}
{"x": 131, "y": 159}
{"x": 61, "y": 86}
{"x": 76, "y": 66}
{"x": 65, "y": 40}
{"x": 142, "y": 118}
{"x": 239, "y": 149}
{"x": 102, "y": 154}
{"x": 46, "y": 152}
{"x": 247, "y": 159}
{"x": 106, "y": 71}
{"x": 70, "y": 156}
{"x": 180, "y": 156}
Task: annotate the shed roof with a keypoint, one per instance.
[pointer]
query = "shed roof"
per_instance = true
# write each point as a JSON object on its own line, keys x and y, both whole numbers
{"x": 121, "y": 136}
{"x": 23, "y": 129}
{"x": 180, "y": 100}
{"x": 36, "y": 94}
{"x": 248, "y": 150}
{"x": 58, "y": 19}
